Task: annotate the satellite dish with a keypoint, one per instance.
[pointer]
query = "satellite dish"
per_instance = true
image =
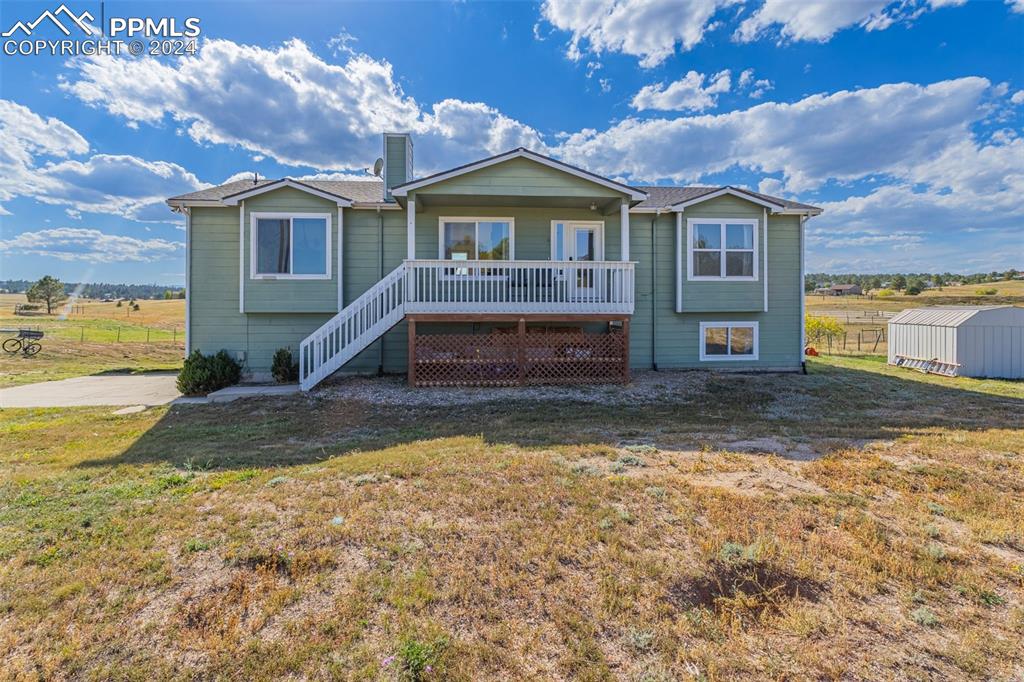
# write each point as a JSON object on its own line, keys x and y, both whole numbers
{"x": 378, "y": 167}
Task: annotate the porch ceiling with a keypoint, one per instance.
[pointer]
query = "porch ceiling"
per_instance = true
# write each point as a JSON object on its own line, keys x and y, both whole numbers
{"x": 604, "y": 205}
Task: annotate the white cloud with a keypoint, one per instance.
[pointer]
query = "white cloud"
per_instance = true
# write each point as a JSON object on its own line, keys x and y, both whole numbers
{"x": 339, "y": 44}
{"x": 754, "y": 87}
{"x": 815, "y": 20}
{"x": 89, "y": 245}
{"x": 649, "y": 29}
{"x": 686, "y": 94}
{"x": 1016, "y": 6}
{"x": 1018, "y": 97}
{"x": 606, "y": 84}
{"x": 289, "y": 104}
{"x": 25, "y": 135}
{"x": 116, "y": 184}
{"x": 846, "y": 135}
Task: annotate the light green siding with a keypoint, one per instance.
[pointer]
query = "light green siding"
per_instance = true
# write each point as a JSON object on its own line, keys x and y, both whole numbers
{"x": 520, "y": 177}
{"x": 280, "y": 313}
{"x": 290, "y": 295}
{"x": 397, "y": 149}
{"x": 677, "y": 334}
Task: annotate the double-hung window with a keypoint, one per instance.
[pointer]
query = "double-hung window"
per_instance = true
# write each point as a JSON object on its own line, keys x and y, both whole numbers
{"x": 721, "y": 249}
{"x": 291, "y": 246}
{"x": 475, "y": 239}
{"x": 728, "y": 341}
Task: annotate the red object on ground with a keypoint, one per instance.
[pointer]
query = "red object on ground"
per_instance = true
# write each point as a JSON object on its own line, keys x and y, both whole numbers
{"x": 810, "y": 351}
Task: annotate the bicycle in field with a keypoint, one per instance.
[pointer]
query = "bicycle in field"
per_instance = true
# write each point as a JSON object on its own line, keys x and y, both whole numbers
{"x": 26, "y": 342}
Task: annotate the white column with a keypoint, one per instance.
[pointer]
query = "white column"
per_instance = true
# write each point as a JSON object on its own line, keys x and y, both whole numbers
{"x": 764, "y": 257}
{"x": 680, "y": 250}
{"x": 188, "y": 279}
{"x": 241, "y": 256}
{"x": 341, "y": 244}
{"x": 624, "y": 230}
{"x": 410, "y": 227}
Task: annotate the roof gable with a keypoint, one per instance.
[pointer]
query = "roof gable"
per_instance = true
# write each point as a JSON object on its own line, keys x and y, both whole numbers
{"x": 519, "y": 153}
{"x": 233, "y": 199}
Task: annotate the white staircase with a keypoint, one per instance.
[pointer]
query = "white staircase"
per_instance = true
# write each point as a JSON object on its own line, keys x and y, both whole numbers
{"x": 345, "y": 335}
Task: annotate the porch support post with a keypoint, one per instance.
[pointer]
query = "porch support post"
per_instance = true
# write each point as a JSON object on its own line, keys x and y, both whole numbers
{"x": 624, "y": 230}
{"x": 625, "y": 351}
{"x": 412, "y": 351}
{"x": 410, "y": 226}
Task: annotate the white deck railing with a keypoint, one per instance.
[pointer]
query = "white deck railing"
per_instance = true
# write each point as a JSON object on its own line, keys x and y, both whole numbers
{"x": 446, "y": 286}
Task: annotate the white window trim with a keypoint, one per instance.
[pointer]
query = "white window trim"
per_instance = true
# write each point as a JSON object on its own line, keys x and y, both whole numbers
{"x": 253, "y": 255}
{"x": 476, "y": 219}
{"x": 721, "y": 222}
{"x": 730, "y": 325}
{"x": 599, "y": 224}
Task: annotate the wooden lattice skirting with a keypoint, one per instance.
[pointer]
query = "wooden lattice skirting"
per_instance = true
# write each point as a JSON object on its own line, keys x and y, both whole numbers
{"x": 519, "y": 358}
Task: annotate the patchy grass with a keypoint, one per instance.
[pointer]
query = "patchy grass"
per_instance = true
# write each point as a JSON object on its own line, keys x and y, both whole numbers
{"x": 63, "y": 358}
{"x": 328, "y": 538}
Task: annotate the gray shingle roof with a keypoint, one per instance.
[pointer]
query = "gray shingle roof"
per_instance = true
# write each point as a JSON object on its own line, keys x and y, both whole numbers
{"x": 356, "y": 190}
{"x": 662, "y": 196}
{"x": 658, "y": 196}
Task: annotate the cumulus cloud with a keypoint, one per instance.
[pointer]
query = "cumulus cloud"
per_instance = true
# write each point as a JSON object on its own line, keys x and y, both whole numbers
{"x": 116, "y": 184}
{"x": 686, "y": 94}
{"x": 24, "y": 136}
{"x": 892, "y": 129}
{"x": 816, "y": 20}
{"x": 649, "y": 29}
{"x": 89, "y": 245}
{"x": 289, "y": 104}
{"x": 754, "y": 87}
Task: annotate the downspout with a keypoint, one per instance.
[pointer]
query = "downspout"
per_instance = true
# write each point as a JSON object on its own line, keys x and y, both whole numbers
{"x": 380, "y": 276}
{"x": 654, "y": 290}
{"x": 803, "y": 299}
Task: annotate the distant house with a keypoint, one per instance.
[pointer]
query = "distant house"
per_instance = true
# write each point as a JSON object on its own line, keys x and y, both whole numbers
{"x": 845, "y": 290}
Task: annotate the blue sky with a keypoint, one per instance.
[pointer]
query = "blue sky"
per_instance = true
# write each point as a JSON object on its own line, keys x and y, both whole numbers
{"x": 902, "y": 119}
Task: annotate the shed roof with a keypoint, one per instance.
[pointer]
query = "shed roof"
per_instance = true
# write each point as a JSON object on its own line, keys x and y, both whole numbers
{"x": 962, "y": 315}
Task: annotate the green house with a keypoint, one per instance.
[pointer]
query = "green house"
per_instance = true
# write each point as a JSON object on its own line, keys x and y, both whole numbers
{"x": 514, "y": 269}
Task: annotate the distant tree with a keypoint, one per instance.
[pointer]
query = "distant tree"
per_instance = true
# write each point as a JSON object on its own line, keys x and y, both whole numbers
{"x": 1011, "y": 274}
{"x": 168, "y": 295}
{"x": 48, "y": 290}
{"x": 181, "y": 294}
{"x": 912, "y": 290}
{"x": 875, "y": 283}
{"x": 939, "y": 281}
{"x": 899, "y": 282}
{"x": 119, "y": 304}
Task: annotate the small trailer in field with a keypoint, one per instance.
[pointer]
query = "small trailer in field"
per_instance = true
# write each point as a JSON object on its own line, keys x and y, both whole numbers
{"x": 972, "y": 341}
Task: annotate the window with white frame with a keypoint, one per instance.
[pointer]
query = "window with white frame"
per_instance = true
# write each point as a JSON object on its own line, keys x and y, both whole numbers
{"x": 291, "y": 245}
{"x": 721, "y": 249}
{"x": 475, "y": 239}
{"x": 728, "y": 341}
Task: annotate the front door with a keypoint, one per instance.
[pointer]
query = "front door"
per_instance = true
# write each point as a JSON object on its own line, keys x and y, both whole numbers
{"x": 578, "y": 241}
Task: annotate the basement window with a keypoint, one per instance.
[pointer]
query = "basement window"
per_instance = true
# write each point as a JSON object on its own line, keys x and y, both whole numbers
{"x": 721, "y": 249}
{"x": 728, "y": 341}
{"x": 291, "y": 246}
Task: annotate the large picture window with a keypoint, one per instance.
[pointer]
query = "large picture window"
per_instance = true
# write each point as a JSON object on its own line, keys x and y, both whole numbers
{"x": 291, "y": 246}
{"x": 475, "y": 239}
{"x": 728, "y": 341}
{"x": 721, "y": 249}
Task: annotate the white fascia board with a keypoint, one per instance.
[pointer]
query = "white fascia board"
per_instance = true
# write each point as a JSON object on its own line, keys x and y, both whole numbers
{"x": 721, "y": 192}
{"x": 403, "y": 190}
{"x": 286, "y": 182}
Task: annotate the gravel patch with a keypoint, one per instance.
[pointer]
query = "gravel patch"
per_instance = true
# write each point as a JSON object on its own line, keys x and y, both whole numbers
{"x": 646, "y": 387}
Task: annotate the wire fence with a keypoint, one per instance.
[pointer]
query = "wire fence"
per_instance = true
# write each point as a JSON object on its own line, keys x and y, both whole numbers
{"x": 104, "y": 334}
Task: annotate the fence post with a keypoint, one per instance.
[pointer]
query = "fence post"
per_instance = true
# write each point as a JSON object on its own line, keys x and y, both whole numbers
{"x": 174, "y": 335}
{"x": 147, "y": 334}
{"x": 82, "y": 337}
{"x": 118, "y": 335}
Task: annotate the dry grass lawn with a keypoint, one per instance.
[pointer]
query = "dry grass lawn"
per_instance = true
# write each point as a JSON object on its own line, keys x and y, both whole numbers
{"x": 99, "y": 338}
{"x": 857, "y": 523}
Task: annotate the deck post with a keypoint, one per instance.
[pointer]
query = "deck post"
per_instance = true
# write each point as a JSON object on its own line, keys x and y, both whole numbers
{"x": 521, "y": 352}
{"x": 624, "y": 230}
{"x": 412, "y": 351}
{"x": 625, "y": 351}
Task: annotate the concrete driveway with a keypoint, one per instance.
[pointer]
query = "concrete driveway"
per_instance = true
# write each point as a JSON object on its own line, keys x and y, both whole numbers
{"x": 112, "y": 389}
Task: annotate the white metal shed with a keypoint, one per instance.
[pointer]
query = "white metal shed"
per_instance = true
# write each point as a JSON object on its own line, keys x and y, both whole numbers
{"x": 985, "y": 341}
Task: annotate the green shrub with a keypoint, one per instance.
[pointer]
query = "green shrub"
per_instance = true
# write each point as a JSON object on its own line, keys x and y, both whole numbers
{"x": 202, "y": 374}
{"x": 913, "y": 290}
{"x": 986, "y": 292}
{"x": 284, "y": 367}
{"x": 885, "y": 293}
